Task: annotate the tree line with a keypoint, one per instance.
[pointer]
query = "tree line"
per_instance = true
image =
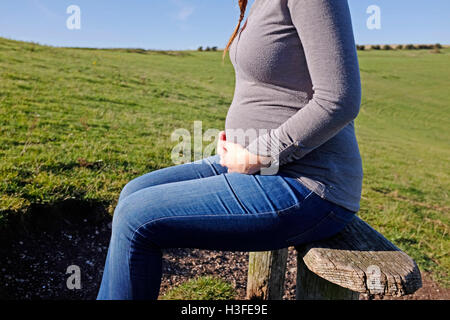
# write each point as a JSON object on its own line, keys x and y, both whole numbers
{"x": 207, "y": 49}
{"x": 435, "y": 47}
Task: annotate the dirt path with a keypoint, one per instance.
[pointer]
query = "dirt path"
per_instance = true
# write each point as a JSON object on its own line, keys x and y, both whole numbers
{"x": 34, "y": 266}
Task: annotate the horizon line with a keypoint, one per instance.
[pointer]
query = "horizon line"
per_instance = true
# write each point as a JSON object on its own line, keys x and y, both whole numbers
{"x": 218, "y": 49}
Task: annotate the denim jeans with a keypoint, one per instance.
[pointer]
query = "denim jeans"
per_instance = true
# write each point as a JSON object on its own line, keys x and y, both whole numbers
{"x": 200, "y": 205}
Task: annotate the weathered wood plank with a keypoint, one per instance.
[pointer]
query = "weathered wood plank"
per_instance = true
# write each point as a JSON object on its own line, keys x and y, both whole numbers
{"x": 361, "y": 259}
{"x": 266, "y": 273}
{"x": 312, "y": 287}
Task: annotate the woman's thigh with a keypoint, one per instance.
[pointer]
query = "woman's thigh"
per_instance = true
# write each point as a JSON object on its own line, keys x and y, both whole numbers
{"x": 195, "y": 170}
{"x": 227, "y": 212}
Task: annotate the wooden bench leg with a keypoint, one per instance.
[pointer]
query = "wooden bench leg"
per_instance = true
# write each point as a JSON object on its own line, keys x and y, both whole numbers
{"x": 266, "y": 273}
{"x": 312, "y": 287}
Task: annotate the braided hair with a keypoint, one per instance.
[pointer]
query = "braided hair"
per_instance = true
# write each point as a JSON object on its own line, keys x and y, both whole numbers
{"x": 242, "y": 7}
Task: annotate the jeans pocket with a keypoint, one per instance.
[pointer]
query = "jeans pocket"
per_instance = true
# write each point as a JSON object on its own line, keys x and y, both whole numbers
{"x": 328, "y": 226}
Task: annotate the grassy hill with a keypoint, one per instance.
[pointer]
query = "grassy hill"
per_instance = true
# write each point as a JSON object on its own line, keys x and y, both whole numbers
{"x": 77, "y": 124}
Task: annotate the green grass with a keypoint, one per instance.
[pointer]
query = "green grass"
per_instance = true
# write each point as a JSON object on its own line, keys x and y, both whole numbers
{"x": 202, "y": 288}
{"x": 404, "y": 136}
{"x": 77, "y": 124}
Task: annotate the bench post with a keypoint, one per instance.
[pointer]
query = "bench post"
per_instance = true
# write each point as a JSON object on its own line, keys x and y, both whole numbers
{"x": 266, "y": 273}
{"x": 312, "y": 287}
{"x": 357, "y": 260}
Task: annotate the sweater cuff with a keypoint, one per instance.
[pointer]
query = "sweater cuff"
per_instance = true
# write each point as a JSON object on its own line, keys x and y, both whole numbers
{"x": 281, "y": 153}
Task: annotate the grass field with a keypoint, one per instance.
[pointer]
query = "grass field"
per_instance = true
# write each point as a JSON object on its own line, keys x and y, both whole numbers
{"x": 77, "y": 124}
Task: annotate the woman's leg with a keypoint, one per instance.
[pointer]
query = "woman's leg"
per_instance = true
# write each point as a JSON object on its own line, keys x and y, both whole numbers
{"x": 195, "y": 170}
{"x": 222, "y": 212}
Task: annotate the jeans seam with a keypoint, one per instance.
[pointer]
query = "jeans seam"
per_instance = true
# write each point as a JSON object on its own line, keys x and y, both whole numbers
{"x": 314, "y": 227}
{"x": 331, "y": 215}
{"x": 277, "y": 212}
{"x": 213, "y": 215}
{"x": 212, "y": 166}
{"x": 235, "y": 195}
{"x": 337, "y": 218}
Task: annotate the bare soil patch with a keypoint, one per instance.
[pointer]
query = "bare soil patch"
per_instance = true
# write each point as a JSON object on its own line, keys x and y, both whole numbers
{"x": 33, "y": 265}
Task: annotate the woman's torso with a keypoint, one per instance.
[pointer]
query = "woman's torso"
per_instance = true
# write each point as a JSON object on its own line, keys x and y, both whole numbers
{"x": 272, "y": 84}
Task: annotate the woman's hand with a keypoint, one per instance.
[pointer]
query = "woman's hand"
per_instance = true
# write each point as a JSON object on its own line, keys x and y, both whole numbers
{"x": 238, "y": 159}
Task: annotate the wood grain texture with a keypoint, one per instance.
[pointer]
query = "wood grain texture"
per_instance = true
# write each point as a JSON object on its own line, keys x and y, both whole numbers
{"x": 312, "y": 287}
{"x": 266, "y": 273}
{"x": 361, "y": 259}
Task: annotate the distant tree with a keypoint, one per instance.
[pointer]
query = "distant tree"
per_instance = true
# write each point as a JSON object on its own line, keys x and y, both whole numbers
{"x": 410, "y": 47}
{"x": 400, "y": 47}
{"x": 424, "y": 46}
{"x": 200, "y": 48}
{"x": 438, "y": 45}
{"x": 387, "y": 47}
{"x": 208, "y": 49}
{"x": 360, "y": 47}
{"x": 214, "y": 48}
{"x": 376, "y": 47}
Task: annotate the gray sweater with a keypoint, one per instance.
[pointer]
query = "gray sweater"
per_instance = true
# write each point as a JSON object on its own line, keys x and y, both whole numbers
{"x": 298, "y": 92}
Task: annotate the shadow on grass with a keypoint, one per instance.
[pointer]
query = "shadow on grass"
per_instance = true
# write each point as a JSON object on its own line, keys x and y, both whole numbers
{"x": 51, "y": 217}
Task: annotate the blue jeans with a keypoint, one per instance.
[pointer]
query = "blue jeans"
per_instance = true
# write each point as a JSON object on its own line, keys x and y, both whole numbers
{"x": 200, "y": 205}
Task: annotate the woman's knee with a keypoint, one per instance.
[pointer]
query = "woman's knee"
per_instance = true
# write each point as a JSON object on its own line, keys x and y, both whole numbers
{"x": 131, "y": 187}
{"x": 126, "y": 212}
{"x": 132, "y": 214}
{"x": 135, "y": 185}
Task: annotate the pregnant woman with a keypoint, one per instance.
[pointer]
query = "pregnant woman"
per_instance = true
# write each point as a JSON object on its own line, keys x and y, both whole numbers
{"x": 288, "y": 169}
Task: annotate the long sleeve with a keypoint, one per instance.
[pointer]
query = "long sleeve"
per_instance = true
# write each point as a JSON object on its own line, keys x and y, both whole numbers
{"x": 325, "y": 31}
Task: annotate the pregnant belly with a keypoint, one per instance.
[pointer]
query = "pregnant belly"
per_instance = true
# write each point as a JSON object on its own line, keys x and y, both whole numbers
{"x": 257, "y": 108}
{"x": 244, "y": 124}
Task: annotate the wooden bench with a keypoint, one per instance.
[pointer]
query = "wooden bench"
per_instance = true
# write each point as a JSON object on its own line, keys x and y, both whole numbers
{"x": 357, "y": 260}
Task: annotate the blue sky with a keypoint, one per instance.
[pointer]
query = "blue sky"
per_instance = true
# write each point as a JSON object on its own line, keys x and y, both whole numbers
{"x": 187, "y": 24}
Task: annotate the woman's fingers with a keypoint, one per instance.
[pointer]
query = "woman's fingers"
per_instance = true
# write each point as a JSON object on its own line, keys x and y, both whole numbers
{"x": 223, "y": 159}
{"x": 221, "y": 148}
